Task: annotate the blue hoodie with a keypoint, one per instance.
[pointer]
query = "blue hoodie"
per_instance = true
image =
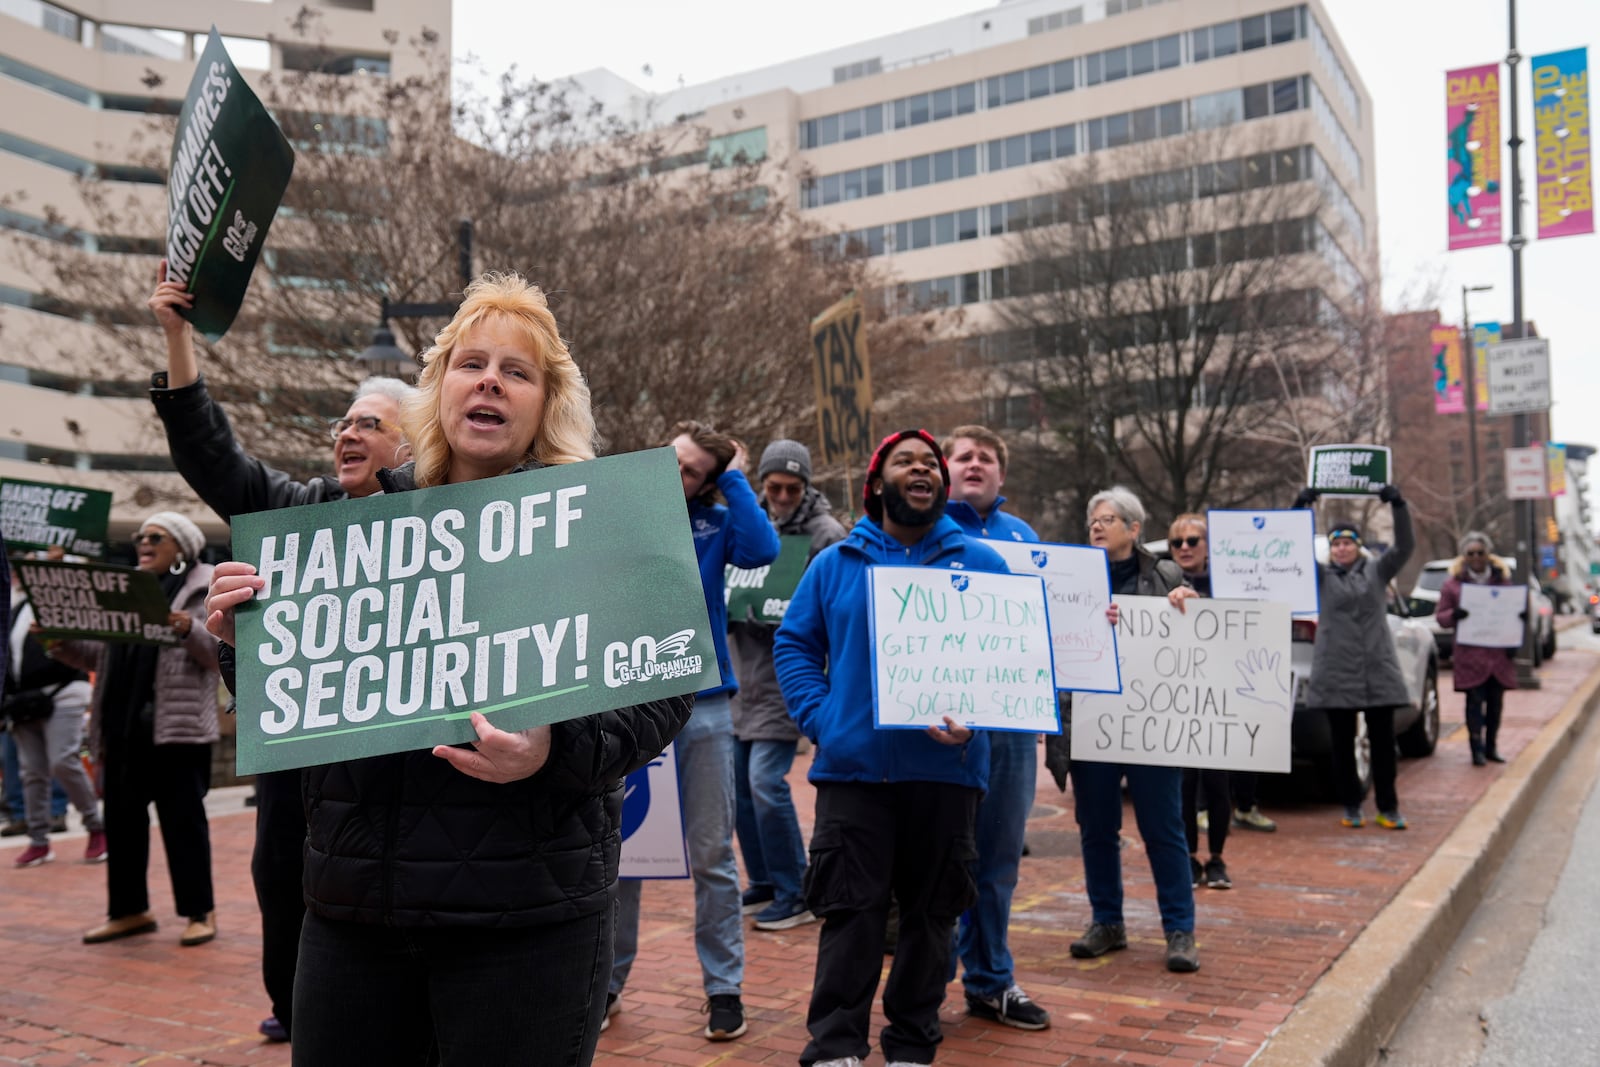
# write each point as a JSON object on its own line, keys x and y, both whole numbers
{"x": 1000, "y": 525}
{"x": 824, "y": 658}
{"x": 740, "y": 534}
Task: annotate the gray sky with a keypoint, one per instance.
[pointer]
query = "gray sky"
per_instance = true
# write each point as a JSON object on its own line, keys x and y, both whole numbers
{"x": 1401, "y": 49}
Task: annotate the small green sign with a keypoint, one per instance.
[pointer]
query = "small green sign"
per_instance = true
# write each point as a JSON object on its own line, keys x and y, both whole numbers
{"x": 230, "y": 167}
{"x": 1349, "y": 470}
{"x": 39, "y": 515}
{"x": 532, "y": 598}
{"x": 97, "y": 600}
{"x": 762, "y": 594}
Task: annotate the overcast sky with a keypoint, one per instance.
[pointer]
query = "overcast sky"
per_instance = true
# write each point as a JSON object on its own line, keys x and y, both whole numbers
{"x": 1401, "y": 49}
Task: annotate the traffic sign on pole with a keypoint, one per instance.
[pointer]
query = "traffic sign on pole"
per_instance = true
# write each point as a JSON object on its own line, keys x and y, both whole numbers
{"x": 1519, "y": 376}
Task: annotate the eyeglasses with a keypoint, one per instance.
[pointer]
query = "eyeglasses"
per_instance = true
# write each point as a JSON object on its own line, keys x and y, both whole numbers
{"x": 364, "y": 425}
{"x": 1100, "y": 521}
{"x": 151, "y": 539}
{"x": 1475, "y": 552}
{"x": 1187, "y": 542}
{"x": 784, "y": 490}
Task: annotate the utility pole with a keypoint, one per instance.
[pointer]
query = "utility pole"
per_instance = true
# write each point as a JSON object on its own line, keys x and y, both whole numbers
{"x": 1469, "y": 362}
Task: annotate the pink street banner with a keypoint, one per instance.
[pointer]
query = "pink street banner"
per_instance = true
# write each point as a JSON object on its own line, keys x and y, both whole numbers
{"x": 1561, "y": 138}
{"x": 1472, "y": 123}
{"x": 1449, "y": 390}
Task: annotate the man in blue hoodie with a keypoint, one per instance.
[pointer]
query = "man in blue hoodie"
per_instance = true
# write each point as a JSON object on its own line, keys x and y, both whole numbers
{"x": 895, "y": 808}
{"x": 977, "y": 473}
{"x": 738, "y": 534}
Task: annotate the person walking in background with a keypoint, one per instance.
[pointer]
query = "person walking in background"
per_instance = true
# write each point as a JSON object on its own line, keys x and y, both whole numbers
{"x": 737, "y": 533}
{"x": 1116, "y": 519}
{"x": 978, "y": 459}
{"x": 153, "y": 722}
{"x": 769, "y": 830}
{"x": 1483, "y": 674}
{"x": 45, "y": 701}
{"x": 1354, "y": 667}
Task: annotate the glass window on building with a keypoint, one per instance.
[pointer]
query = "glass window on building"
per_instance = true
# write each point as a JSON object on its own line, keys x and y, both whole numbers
{"x": 874, "y": 179}
{"x": 966, "y": 161}
{"x": 921, "y": 171}
{"x": 1200, "y": 44}
{"x": 941, "y": 104}
{"x": 1169, "y": 52}
{"x": 1016, "y": 150}
{"x": 831, "y": 185}
{"x": 1258, "y": 171}
{"x": 1094, "y": 133}
{"x": 966, "y": 98}
{"x": 1257, "y": 101}
{"x": 828, "y": 129}
{"x": 1216, "y": 109}
{"x": 921, "y": 233}
{"x": 140, "y": 41}
{"x": 1142, "y": 58}
{"x": 1061, "y": 76}
{"x": 1144, "y": 124}
{"x": 1015, "y": 86}
{"x": 1066, "y": 138}
{"x": 1286, "y": 96}
{"x": 966, "y": 223}
{"x": 1038, "y": 82}
{"x": 1041, "y": 147}
{"x": 1116, "y": 63}
{"x": 1282, "y": 25}
{"x": 1224, "y": 39}
{"x": 1286, "y": 167}
{"x": 917, "y": 109}
{"x": 1116, "y": 130}
{"x": 746, "y": 146}
{"x": 47, "y": 17}
{"x": 1253, "y": 33}
{"x": 944, "y": 165}
{"x": 1170, "y": 118}
{"x": 1092, "y": 71}
{"x": 944, "y": 229}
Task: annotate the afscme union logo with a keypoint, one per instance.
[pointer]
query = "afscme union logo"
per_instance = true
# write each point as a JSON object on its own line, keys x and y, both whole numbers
{"x": 649, "y": 659}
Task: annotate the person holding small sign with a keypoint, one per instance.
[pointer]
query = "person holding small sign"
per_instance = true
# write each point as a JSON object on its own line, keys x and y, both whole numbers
{"x": 460, "y": 898}
{"x": 1116, "y": 519}
{"x": 1483, "y": 674}
{"x": 1354, "y": 667}
{"x": 896, "y": 808}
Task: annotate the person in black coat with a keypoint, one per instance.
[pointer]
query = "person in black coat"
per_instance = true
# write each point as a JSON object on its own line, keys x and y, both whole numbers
{"x": 460, "y": 900}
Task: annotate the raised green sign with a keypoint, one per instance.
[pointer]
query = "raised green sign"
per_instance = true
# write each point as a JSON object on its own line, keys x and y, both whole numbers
{"x": 762, "y": 594}
{"x": 39, "y": 515}
{"x": 230, "y": 167}
{"x": 532, "y": 598}
{"x": 97, "y": 600}
{"x": 1349, "y": 470}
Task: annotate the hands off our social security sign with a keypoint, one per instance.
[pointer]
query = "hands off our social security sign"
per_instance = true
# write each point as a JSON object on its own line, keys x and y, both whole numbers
{"x": 1264, "y": 555}
{"x": 97, "y": 601}
{"x": 1077, "y": 583}
{"x": 532, "y": 598}
{"x": 40, "y": 515}
{"x": 1207, "y": 687}
{"x": 968, "y": 644}
{"x": 762, "y": 594}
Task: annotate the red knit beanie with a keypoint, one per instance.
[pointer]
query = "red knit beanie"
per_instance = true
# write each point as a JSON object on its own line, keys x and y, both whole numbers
{"x": 870, "y": 501}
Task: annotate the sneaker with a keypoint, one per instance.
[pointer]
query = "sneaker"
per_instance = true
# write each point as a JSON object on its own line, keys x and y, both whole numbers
{"x": 1391, "y": 820}
{"x": 727, "y": 1017}
{"x": 780, "y": 917}
{"x": 1197, "y": 872}
{"x": 847, "y": 1061}
{"x": 613, "y": 1006}
{"x": 14, "y": 828}
{"x": 1011, "y": 1008}
{"x": 1182, "y": 956}
{"x": 1352, "y": 818}
{"x": 1253, "y": 820}
{"x": 273, "y": 1030}
{"x": 1202, "y": 821}
{"x": 36, "y": 856}
{"x": 1099, "y": 939}
{"x": 95, "y": 850}
{"x": 755, "y": 898}
{"x": 1217, "y": 874}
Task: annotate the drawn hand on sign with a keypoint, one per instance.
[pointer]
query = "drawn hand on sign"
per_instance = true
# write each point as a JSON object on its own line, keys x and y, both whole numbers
{"x": 951, "y": 733}
{"x": 1262, "y": 682}
{"x": 499, "y": 756}
{"x": 232, "y": 583}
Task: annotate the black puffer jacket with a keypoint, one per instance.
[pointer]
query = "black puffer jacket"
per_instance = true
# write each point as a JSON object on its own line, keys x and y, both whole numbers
{"x": 408, "y": 840}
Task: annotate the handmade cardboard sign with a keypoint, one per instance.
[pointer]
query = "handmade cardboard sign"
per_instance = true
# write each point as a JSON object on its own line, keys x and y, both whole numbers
{"x": 968, "y": 644}
{"x": 762, "y": 594}
{"x": 1206, "y": 687}
{"x": 97, "y": 600}
{"x": 652, "y": 822}
{"x": 39, "y": 515}
{"x": 1077, "y": 584}
{"x": 1349, "y": 470}
{"x": 1264, "y": 555}
{"x": 532, "y": 598}
{"x": 1494, "y": 615}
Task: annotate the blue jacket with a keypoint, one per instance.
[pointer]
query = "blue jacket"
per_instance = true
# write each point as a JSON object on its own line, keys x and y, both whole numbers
{"x": 824, "y": 658}
{"x": 1000, "y": 525}
{"x": 740, "y": 534}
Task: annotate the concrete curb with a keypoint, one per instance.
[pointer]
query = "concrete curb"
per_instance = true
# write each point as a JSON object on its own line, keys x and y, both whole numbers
{"x": 1358, "y": 1003}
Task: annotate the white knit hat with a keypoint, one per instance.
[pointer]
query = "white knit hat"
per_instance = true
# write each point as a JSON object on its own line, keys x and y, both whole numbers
{"x": 190, "y": 539}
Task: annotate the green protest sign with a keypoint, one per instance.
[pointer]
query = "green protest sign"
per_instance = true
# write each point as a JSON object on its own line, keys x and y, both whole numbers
{"x": 762, "y": 594}
{"x": 532, "y": 598}
{"x": 1349, "y": 470}
{"x": 97, "y": 600}
{"x": 38, "y": 515}
{"x": 230, "y": 166}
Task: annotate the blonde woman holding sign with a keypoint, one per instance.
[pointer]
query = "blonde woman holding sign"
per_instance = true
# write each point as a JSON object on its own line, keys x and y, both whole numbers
{"x": 460, "y": 899}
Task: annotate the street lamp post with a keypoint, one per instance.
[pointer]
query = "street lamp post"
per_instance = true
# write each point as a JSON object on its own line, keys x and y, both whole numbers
{"x": 1469, "y": 362}
{"x": 382, "y": 356}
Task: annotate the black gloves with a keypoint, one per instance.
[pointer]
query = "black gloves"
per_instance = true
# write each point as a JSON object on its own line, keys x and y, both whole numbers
{"x": 1307, "y": 497}
{"x": 1462, "y": 613}
{"x": 1390, "y": 494}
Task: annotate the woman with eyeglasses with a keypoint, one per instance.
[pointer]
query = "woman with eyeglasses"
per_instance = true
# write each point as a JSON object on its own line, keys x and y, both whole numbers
{"x": 1483, "y": 674}
{"x": 152, "y": 722}
{"x": 460, "y": 899}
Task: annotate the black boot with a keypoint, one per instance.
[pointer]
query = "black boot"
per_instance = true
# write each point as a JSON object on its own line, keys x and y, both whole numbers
{"x": 1476, "y": 743}
{"x": 1489, "y": 751}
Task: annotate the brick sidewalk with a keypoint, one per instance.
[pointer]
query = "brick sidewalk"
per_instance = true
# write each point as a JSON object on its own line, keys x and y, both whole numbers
{"x": 1300, "y": 897}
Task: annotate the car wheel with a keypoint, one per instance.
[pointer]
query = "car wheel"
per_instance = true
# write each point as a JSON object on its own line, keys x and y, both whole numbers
{"x": 1550, "y": 645}
{"x": 1423, "y": 735}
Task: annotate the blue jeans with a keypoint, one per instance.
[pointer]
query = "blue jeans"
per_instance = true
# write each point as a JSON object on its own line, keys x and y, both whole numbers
{"x": 769, "y": 830}
{"x": 705, "y": 750}
{"x": 1157, "y": 795}
{"x": 450, "y": 995}
{"x": 1002, "y": 818}
{"x": 16, "y": 803}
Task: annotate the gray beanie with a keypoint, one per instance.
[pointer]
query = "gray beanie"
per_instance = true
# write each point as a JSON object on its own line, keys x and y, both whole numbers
{"x": 785, "y": 457}
{"x": 187, "y": 534}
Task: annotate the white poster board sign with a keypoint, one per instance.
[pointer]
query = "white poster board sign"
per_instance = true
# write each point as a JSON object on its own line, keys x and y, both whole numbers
{"x": 1519, "y": 376}
{"x": 1077, "y": 585}
{"x": 968, "y": 644}
{"x": 1209, "y": 687}
{"x": 1494, "y": 615}
{"x": 1264, "y": 555}
{"x": 652, "y": 822}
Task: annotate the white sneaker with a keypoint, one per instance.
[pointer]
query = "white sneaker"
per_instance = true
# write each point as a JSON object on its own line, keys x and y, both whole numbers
{"x": 848, "y": 1061}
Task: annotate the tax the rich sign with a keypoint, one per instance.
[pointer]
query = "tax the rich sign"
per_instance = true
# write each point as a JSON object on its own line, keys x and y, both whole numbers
{"x": 1205, "y": 687}
{"x": 843, "y": 374}
{"x": 38, "y": 515}
{"x": 532, "y": 598}
{"x": 230, "y": 166}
